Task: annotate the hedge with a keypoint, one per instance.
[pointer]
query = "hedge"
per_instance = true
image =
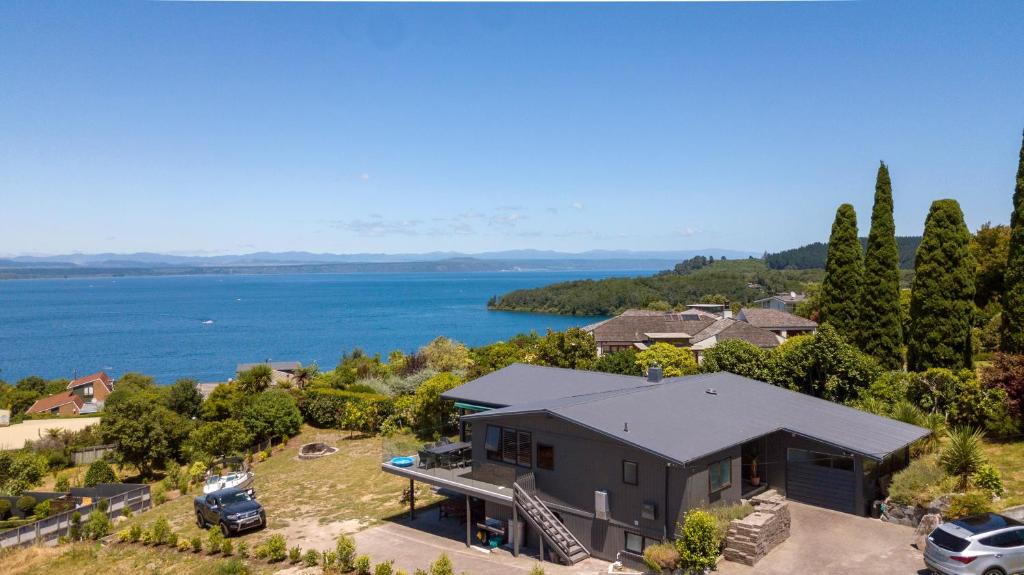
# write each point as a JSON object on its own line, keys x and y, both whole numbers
{"x": 330, "y": 408}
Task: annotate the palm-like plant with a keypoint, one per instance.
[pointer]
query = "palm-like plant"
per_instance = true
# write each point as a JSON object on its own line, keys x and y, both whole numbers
{"x": 962, "y": 456}
{"x": 304, "y": 374}
{"x": 907, "y": 412}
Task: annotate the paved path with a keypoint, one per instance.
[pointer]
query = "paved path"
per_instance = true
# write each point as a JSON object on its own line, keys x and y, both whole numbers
{"x": 825, "y": 542}
{"x": 414, "y": 545}
{"x": 14, "y": 436}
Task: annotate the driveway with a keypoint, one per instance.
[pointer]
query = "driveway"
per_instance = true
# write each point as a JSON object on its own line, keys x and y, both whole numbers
{"x": 833, "y": 543}
{"x": 414, "y": 545}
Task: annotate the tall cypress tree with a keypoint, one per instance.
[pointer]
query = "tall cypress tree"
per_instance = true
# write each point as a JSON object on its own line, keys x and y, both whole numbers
{"x": 879, "y": 331}
{"x": 1011, "y": 332}
{"x": 941, "y": 301}
{"x": 844, "y": 270}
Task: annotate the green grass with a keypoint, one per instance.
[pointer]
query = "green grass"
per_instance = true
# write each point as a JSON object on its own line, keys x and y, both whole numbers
{"x": 725, "y": 514}
{"x": 94, "y": 559}
{"x": 1008, "y": 458}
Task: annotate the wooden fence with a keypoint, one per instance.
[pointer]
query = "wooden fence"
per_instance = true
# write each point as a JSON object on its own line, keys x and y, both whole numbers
{"x": 88, "y": 455}
{"x": 49, "y": 530}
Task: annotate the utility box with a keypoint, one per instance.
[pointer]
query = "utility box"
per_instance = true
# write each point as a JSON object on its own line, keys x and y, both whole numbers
{"x": 601, "y": 505}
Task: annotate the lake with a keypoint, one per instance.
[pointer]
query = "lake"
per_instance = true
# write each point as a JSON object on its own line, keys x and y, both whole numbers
{"x": 202, "y": 326}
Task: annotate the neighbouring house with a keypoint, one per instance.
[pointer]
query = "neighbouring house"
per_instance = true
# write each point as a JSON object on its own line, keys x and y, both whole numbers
{"x": 697, "y": 329}
{"x": 281, "y": 371}
{"x": 205, "y": 389}
{"x": 595, "y": 464}
{"x": 93, "y": 388}
{"x": 781, "y": 323}
{"x": 63, "y": 403}
{"x": 782, "y": 301}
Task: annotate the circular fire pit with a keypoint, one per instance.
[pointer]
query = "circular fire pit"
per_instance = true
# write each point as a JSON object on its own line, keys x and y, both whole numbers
{"x": 315, "y": 450}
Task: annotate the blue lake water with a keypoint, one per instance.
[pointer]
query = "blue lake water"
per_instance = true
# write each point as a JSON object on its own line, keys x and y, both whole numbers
{"x": 202, "y": 326}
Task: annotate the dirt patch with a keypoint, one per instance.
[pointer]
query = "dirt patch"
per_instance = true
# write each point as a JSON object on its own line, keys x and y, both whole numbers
{"x": 311, "y": 534}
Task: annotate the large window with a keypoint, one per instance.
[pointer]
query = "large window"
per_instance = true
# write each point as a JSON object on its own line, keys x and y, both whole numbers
{"x": 545, "y": 456}
{"x": 720, "y": 475}
{"x": 509, "y": 446}
{"x": 636, "y": 543}
{"x": 629, "y": 473}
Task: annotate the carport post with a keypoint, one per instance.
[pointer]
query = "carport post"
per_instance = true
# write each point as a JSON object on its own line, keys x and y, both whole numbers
{"x": 412, "y": 499}
{"x": 515, "y": 531}
{"x": 469, "y": 534}
{"x": 540, "y": 538}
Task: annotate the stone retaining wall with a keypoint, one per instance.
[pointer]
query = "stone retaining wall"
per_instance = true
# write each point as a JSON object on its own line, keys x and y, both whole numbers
{"x": 751, "y": 538}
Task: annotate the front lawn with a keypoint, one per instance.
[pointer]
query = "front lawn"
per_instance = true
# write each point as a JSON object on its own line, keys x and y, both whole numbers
{"x": 1008, "y": 458}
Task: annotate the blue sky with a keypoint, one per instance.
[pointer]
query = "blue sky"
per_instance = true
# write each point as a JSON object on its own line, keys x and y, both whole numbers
{"x": 229, "y": 127}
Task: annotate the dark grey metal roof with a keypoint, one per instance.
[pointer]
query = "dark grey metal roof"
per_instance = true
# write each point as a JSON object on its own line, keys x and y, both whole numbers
{"x": 275, "y": 365}
{"x": 679, "y": 420}
{"x": 521, "y": 382}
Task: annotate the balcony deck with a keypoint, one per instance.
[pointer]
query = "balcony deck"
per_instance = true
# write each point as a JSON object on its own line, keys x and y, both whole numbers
{"x": 459, "y": 479}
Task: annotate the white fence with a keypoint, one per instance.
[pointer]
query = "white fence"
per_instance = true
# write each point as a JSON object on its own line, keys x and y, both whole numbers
{"x": 48, "y": 531}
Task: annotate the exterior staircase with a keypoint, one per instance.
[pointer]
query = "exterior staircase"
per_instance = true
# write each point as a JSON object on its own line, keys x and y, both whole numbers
{"x": 541, "y": 518}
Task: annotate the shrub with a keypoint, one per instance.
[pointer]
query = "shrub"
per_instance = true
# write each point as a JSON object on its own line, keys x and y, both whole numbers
{"x": 26, "y": 504}
{"x": 988, "y": 479}
{"x": 75, "y": 528}
{"x": 99, "y": 472}
{"x": 159, "y": 495}
{"x": 970, "y": 503}
{"x": 124, "y": 536}
{"x": 63, "y": 484}
{"x": 5, "y": 508}
{"x": 310, "y": 558}
{"x": 135, "y": 533}
{"x": 362, "y": 565}
{"x": 385, "y": 568}
{"x": 294, "y": 555}
{"x": 326, "y": 408}
{"x": 443, "y": 566}
{"x": 261, "y": 552}
{"x": 962, "y": 456}
{"x": 184, "y": 545}
{"x": 98, "y": 526}
{"x": 537, "y": 569}
{"x": 243, "y": 549}
{"x": 724, "y": 514}
{"x": 918, "y": 483}
{"x": 172, "y": 539}
{"x": 661, "y": 557}
{"x": 698, "y": 541}
{"x": 214, "y": 540}
{"x": 346, "y": 550}
{"x": 330, "y": 559}
{"x": 232, "y": 567}
{"x": 43, "y": 509}
{"x": 147, "y": 537}
{"x": 197, "y": 543}
{"x": 276, "y": 548}
{"x": 226, "y": 548}
{"x": 161, "y": 529}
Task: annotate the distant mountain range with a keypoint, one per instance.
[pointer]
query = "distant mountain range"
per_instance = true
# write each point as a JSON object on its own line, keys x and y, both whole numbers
{"x": 144, "y": 263}
{"x": 812, "y": 256}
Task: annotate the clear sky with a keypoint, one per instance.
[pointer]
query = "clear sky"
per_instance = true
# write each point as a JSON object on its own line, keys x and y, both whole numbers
{"x": 234, "y": 127}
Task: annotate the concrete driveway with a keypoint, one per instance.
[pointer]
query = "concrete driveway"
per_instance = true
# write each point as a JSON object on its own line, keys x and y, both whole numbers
{"x": 414, "y": 545}
{"x": 833, "y": 543}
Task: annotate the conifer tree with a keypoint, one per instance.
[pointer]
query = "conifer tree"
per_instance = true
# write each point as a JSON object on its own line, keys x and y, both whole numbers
{"x": 844, "y": 269}
{"x": 1011, "y": 332}
{"x": 941, "y": 301}
{"x": 879, "y": 333}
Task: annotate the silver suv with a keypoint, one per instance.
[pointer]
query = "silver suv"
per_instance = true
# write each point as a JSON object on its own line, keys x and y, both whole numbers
{"x": 988, "y": 544}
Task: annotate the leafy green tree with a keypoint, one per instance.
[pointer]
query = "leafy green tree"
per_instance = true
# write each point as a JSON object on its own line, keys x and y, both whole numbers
{"x": 272, "y": 414}
{"x": 255, "y": 379}
{"x": 572, "y": 348}
{"x": 1012, "y": 331}
{"x": 488, "y": 358}
{"x": 739, "y": 357}
{"x": 879, "y": 332}
{"x": 622, "y": 362}
{"x": 224, "y": 402}
{"x": 990, "y": 246}
{"x": 99, "y": 472}
{"x": 20, "y": 470}
{"x": 144, "y": 432}
{"x": 183, "y": 398}
{"x": 674, "y": 361}
{"x": 431, "y": 413}
{"x": 942, "y": 295}
{"x": 443, "y": 354}
{"x": 823, "y": 365}
{"x": 219, "y": 438}
{"x": 844, "y": 270}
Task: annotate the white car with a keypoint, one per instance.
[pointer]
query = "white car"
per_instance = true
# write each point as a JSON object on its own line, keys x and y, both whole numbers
{"x": 987, "y": 544}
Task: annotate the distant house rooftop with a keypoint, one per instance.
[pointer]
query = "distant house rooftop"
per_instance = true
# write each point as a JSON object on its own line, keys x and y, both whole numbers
{"x": 99, "y": 376}
{"x": 274, "y": 365}
{"x": 50, "y": 402}
{"x": 768, "y": 318}
{"x": 785, "y": 297}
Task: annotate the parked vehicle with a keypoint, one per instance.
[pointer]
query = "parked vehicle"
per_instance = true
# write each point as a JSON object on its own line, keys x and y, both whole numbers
{"x": 238, "y": 479}
{"x": 987, "y": 544}
{"x": 233, "y": 510}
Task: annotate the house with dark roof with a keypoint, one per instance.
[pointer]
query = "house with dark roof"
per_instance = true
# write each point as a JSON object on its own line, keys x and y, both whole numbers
{"x": 785, "y": 301}
{"x": 781, "y": 323}
{"x": 697, "y": 329}
{"x": 593, "y": 464}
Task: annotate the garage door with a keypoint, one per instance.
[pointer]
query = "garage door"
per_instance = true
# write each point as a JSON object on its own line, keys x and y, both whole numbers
{"x": 820, "y": 479}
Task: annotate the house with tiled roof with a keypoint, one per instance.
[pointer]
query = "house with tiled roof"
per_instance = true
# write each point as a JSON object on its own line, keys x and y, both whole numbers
{"x": 776, "y": 321}
{"x": 63, "y": 403}
{"x": 94, "y": 387}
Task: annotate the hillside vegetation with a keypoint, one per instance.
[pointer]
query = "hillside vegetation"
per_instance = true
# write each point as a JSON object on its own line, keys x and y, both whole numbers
{"x": 735, "y": 281}
{"x": 812, "y": 256}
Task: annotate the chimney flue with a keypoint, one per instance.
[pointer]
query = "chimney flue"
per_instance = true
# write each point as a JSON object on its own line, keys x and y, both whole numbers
{"x": 654, "y": 373}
